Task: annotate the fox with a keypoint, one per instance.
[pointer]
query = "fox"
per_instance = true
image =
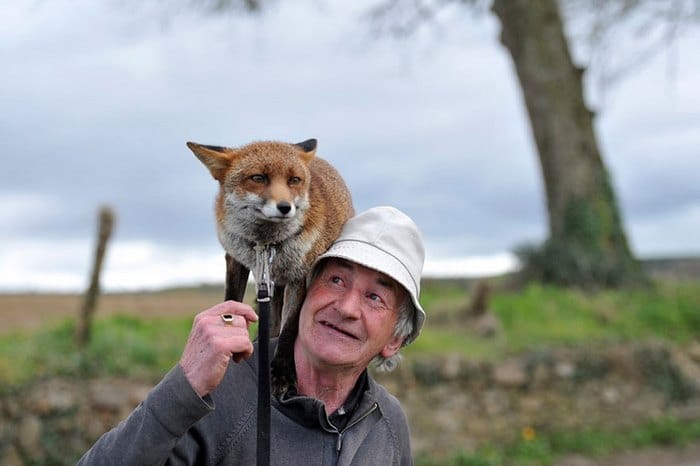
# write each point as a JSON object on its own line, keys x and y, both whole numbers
{"x": 281, "y": 194}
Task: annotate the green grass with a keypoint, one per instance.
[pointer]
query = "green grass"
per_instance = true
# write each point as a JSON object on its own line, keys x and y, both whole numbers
{"x": 120, "y": 345}
{"x": 542, "y": 316}
{"x": 539, "y": 316}
{"x": 434, "y": 342}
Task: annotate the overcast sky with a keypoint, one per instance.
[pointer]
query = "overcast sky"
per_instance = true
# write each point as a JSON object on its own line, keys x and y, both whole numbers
{"x": 98, "y": 98}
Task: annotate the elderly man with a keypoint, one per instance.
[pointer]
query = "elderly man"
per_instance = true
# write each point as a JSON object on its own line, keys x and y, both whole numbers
{"x": 361, "y": 306}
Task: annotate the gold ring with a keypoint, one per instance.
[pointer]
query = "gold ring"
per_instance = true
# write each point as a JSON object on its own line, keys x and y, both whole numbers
{"x": 228, "y": 319}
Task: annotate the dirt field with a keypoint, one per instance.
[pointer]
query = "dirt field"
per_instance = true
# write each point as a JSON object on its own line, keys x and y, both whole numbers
{"x": 25, "y": 312}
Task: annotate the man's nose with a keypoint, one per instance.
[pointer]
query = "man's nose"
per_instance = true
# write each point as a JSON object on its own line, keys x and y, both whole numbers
{"x": 349, "y": 305}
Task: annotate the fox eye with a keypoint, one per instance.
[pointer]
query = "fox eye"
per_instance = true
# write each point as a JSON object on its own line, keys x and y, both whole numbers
{"x": 295, "y": 180}
{"x": 258, "y": 178}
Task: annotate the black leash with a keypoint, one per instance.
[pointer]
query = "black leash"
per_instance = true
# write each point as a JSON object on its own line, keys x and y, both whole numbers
{"x": 263, "y": 445}
{"x": 265, "y": 286}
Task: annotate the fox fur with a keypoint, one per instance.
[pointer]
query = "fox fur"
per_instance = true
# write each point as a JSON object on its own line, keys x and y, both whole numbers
{"x": 279, "y": 194}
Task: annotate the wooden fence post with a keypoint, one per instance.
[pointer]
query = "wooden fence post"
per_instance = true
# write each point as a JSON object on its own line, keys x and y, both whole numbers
{"x": 82, "y": 329}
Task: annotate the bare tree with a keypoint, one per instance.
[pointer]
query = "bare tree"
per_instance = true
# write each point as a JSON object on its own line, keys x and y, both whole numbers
{"x": 615, "y": 37}
{"x": 215, "y": 6}
{"x": 587, "y": 244}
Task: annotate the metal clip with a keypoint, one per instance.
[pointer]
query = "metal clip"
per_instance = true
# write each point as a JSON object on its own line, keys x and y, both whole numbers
{"x": 264, "y": 254}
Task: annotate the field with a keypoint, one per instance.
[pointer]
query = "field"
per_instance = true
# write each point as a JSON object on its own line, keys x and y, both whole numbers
{"x": 142, "y": 334}
{"x": 534, "y": 315}
{"x": 27, "y": 312}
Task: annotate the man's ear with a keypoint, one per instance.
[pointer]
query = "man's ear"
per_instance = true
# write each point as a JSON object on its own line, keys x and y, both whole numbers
{"x": 216, "y": 158}
{"x": 392, "y": 347}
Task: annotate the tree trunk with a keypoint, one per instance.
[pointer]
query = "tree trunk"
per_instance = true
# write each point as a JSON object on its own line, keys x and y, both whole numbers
{"x": 587, "y": 245}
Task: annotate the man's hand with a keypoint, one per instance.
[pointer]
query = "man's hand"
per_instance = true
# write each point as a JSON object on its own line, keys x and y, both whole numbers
{"x": 212, "y": 344}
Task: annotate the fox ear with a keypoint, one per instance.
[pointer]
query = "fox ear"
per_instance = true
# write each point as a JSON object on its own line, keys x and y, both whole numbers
{"x": 217, "y": 159}
{"x": 308, "y": 148}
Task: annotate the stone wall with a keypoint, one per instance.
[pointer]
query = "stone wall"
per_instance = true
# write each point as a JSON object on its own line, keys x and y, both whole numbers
{"x": 53, "y": 421}
{"x": 451, "y": 402}
{"x": 455, "y": 403}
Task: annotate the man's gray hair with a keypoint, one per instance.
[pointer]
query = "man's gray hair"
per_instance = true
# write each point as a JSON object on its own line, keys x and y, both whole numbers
{"x": 402, "y": 329}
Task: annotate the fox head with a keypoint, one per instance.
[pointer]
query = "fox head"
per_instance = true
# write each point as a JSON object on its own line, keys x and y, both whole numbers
{"x": 260, "y": 181}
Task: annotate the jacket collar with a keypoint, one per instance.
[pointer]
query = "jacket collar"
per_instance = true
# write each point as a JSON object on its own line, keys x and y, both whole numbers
{"x": 311, "y": 412}
{"x": 306, "y": 410}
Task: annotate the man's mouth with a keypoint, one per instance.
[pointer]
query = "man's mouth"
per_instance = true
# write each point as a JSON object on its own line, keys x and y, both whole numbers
{"x": 338, "y": 329}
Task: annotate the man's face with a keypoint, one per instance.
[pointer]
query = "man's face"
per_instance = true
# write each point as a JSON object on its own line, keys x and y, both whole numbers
{"x": 349, "y": 315}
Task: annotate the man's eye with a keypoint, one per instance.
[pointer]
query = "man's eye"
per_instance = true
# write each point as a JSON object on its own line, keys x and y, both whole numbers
{"x": 375, "y": 297}
{"x": 258, "y": 178}
{"x": 336, "y": 279}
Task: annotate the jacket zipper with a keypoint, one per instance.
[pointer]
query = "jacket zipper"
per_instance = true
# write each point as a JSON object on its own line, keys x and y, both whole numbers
{"x": 339, "y": 443}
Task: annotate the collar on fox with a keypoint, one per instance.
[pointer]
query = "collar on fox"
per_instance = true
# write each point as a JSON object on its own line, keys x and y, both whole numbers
{"x": 264, "y": 255}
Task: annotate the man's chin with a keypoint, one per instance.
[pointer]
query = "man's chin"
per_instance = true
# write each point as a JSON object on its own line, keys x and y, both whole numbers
{"x": 338, "y": 355}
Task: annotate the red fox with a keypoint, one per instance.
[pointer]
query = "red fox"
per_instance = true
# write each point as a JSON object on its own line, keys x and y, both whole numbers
{"x": 278, "y": 193}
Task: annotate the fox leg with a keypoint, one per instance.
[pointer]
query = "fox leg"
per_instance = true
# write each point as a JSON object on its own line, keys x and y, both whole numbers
{"x": 236, "y": 279}
{"x": 294, "y": 294}
{"x": 276, "y": 310}
{"x": 282, "y": 368}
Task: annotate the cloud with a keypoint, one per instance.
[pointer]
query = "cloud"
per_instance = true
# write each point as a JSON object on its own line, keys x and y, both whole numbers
{"x": 99, "y": 99}
{"x": 471, "y": 267}
{"x": 44, "y": 265}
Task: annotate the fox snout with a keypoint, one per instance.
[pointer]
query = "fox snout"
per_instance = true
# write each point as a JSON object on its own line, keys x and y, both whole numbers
{"x": 281, "y": 209}
{"x": 284, "y": 207}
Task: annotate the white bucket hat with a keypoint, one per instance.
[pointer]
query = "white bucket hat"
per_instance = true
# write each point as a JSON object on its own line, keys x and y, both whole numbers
{"x": 387, "y": 240}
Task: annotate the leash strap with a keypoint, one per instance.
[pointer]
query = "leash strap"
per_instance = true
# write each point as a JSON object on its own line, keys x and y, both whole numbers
{"x": 264, "y": 256}
{"x": 263, "y": 444}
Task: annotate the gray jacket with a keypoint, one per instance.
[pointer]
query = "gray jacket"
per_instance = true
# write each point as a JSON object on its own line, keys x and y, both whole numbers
{"x": 173, "y": 425}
